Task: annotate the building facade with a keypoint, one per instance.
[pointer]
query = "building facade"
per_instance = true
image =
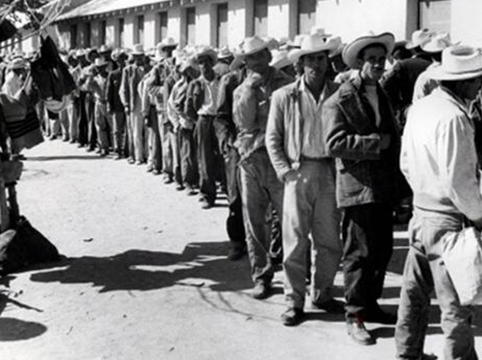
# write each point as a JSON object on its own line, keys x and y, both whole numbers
{"x": 226, "y": 22}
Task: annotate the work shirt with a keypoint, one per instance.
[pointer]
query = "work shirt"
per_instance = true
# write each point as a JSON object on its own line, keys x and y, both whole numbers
{"x": 209, "y": 105}
{"x": 439, "y": 158}
{"x": 311, "y": 122}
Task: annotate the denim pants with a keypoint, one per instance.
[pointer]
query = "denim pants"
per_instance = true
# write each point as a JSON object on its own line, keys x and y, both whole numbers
{"x": 188, "y": 159}
{"x": 103, "y": 125}
{"x": 425, "y": 271}
{"x": 119, "y": 125}
{"x": 260, "y": 187}
{"x": 367, "y": 232}
{"x": 207, "y": 143}
{"x": 165, "y": 128}
{"x": 137, "y": 126}
{"x": 310, "y": 208}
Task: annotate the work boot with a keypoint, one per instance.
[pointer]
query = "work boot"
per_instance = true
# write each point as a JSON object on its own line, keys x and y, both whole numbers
{"x": 358, "y": 332}
{"x": 331, "y": 306}
{"x": 292, "y": 316}
{"x": 260, "y": 290}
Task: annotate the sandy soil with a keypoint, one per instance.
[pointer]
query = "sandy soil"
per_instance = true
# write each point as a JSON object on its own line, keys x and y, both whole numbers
{"x": 145, "y": 277}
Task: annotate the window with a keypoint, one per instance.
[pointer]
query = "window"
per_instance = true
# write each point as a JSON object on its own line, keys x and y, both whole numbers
{"x": 87, "y": 38}
{"x": 73, "y": 36}
{"x": 222, "y": 25}
{"x": 435, "y": 15}
{"x": 306, "y": 15}
{"x": 103, "y": 32}
{"x": 260, "y": 18}
{"x": 120, "y": 34}
{"x": 191, "y": 25}
{"x": 139, "y": 36}
{"x": 162, "y": 25}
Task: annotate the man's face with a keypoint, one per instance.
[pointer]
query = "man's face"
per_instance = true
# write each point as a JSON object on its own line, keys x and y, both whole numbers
{"x": 471, "y": 88}
{"x": 372, "y": 62}
{"x": 205, "y": 64}
{"x": 139, "y": 60}
{"x": 259, "y": 61}
{"x": 315, "y": 65}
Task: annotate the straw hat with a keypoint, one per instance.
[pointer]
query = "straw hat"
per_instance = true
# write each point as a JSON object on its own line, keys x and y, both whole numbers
{"x": 437, "y": 43}
{"x": 338, "y": 44}
{"x": 207, "y": 51}
{"x": 315, "y": 30}
{"x": 167, "y": 42}
{"x": 459, "y": 62}
{"x": 104, "y": 49}
{"x": 419, "y": 37}
{"x": 351, "y": 51}
{"x": 99, "y": 62}
{"x": 138, "y": 49}
{"x": 80, "y": 53}
{"x": 224, "y": 53}
{"x": 252, "y": 45}
{"x": 312, "y": 44}
{"x": 280, "y": 59}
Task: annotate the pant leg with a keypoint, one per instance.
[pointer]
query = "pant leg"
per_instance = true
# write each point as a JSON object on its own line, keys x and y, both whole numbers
{"x": 130, "y": 135}
{"x": 119, "y": 126}
{"x": 206, "y": 143}
{"x": 189, "y": 166}
{"x": 101, "y": 126}
{"x": 165, "y": 127}
{"x": 367, "y": 250}
{"x": 73, "y": 119}
{"x": 54, "y": 123}
{"x": 82, "y": 124}
{"x": 255, "y": 201}
{"x": 326, "y": 250}
{"x": 138, "y": 134}
{"x": 64, "y": 124}
{"x": 234, "y": 222}
{"x": 91, "y": 129}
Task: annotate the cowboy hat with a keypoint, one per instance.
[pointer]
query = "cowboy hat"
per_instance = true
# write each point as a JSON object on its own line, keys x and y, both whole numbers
{"x": 138, "y": 49}
{"x": 99, "y": 62}
{"x": 419, "y": 37}
{"x": 316, "y": 30}
{"x": 104, "y": 49}
{"x": 224, "y": 53}
{"x": 80, "y": 53}
{"x": 18, "y": 63}
{"x": 338, "y": 46}
{"x": 312, "y": 44}
{"x": 351, "y": 51}
{"x": 280, "y": 59}
{"x": 117, "y": 53}
{"x": 459, "y": 62}
{"x": 56, "y": 106}
{"x": 206, "y": 51}
{"x": 252, "y": 45}
{"x": 167, "y": 42}
{"x": 437, "y": 43}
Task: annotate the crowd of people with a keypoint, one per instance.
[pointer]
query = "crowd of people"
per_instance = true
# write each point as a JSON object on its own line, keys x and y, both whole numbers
{"x": 305, "y": 137}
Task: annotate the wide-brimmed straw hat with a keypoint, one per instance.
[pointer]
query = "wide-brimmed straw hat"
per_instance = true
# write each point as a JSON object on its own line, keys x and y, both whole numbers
{"x": 206, "y": 51}
{"x": 252, "y": 45}
{"x": 419, "y": 38}
{"x": 351, "y": 51}
{"x": 459, "y": 62}
{"x": 316, "y": 30}
{"x": 224, "y": 53}
{"x": 167, "y": 42}
{"x": 437, "y": 43}
{"x": 312, "y": 44}
{"x": 104, "y": 49}
{"x": 138, "y": 49}
{"x": 280, "y": 59}
{"x": 99, "y": 62}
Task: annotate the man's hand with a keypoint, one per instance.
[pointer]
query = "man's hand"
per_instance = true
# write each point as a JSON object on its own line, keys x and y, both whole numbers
{"x": 127, "y": 110}
{"x": 385, "y": 140}
{"x": 291, "y": 175}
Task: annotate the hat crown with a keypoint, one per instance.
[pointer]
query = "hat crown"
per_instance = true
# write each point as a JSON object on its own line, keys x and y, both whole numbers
{"x": 420, "y": 37}
{"x": 100, "y": 62}
{"x": 313, "y": 42}
{"x": 138, "y": 49}
{"x": 252, "y": 45}
{"x": 437, "y": 43}
{"x": 169, "y": 41}
{"x": 315, "y": 30}
{"x": 460, "y": 59}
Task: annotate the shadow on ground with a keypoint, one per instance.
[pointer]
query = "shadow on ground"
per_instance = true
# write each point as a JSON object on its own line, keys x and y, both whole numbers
{"x": 201, "y": 264}
{"x": 63, "y": 157}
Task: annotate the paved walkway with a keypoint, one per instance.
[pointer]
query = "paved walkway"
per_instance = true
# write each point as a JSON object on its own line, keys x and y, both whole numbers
{"x": 145, "y": 277}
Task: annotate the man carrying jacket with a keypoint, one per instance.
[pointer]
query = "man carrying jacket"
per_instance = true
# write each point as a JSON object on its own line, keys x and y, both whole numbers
{"x": 294, "y": 139}
{"x": 361, "y": 132}
{"x": 260, "y": 186}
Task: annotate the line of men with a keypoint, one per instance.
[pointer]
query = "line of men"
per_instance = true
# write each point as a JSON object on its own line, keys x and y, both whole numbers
{"x": 308, "y": 134}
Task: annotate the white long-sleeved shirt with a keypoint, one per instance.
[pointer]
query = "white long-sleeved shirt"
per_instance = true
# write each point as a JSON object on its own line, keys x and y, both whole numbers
{"x": 439, "y": 158}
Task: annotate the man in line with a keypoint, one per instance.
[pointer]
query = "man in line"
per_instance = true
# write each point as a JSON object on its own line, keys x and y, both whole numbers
{"x": 439, "y": 160}
{"x": 201, "y": 106}
{"x": 294, "y": 139}
{"x": 260, "y": 186}
{"x": 362, "y": 133}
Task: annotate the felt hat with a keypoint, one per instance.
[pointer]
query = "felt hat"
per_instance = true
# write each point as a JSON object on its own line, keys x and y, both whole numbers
{"x": 351, "y": 51}
{"x": 437, "y": 43}
{"x": 104, "y": 49}
{"x": 459, "y": 62}
{"x": 208, "y": 51}
{"x": 167, "y": 42}
{"x": 312, "y": 44}
{"x": 224, "y": 53}
{"x": 138, "y": 49}
{"x": 419, "y": 37}
{"x": 280, "y": 59}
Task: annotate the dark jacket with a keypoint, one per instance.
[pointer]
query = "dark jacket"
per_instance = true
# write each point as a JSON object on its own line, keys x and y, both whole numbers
{"x": 365, "y": 173}
{"x": 195, "y": 97}
{"x": 113, "y": 86}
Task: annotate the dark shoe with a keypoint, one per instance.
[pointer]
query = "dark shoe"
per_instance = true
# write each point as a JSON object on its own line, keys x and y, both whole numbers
{"x": 206, "y": 204}
{"x": 168, "y": 180}
{"x": 130, "y": 160}
{"x": 236, "y": 253}
{"x": 118, "y": 156}
{"x": 292, "y": 316}
{"x": 357, "y": 331}
{"x": 89, "y": 149}
{"x": 190, "y": 191}
{"x": 180, "y": 187}
{"x": 377, "y": 315}
{"x": 156, "y": 172}
{"x": 260, "y": 290}
{"x": 331, "y": 306}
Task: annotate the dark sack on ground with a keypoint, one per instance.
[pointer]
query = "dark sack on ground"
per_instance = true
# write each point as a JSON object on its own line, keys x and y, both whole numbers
{"x": 24, "y": 246}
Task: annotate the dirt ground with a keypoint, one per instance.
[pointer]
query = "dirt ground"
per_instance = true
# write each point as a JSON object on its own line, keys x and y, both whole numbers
{"x": 145, "y": 277}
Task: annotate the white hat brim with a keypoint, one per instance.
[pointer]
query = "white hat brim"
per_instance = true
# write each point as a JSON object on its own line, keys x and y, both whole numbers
{"x": 296, "y": 54}
{"x": 351, "y": 51}
{"x": 438, "y": 73}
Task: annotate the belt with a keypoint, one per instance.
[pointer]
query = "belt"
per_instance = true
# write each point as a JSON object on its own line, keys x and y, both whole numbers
{"x": 321, "y": 160}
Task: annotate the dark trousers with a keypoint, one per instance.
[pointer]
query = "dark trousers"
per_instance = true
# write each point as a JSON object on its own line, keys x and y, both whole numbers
{"x": 189, "y": 169}
{"x": 90, "y": 115}
{"x": 207, "y": 154}
{"x": 234, "y": 222}
{"x": 367, "y": 232}
{"x": 82, "y": 124}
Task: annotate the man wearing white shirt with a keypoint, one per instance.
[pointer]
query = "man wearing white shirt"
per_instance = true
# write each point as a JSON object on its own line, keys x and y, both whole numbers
{"x": 439, "y": 160}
